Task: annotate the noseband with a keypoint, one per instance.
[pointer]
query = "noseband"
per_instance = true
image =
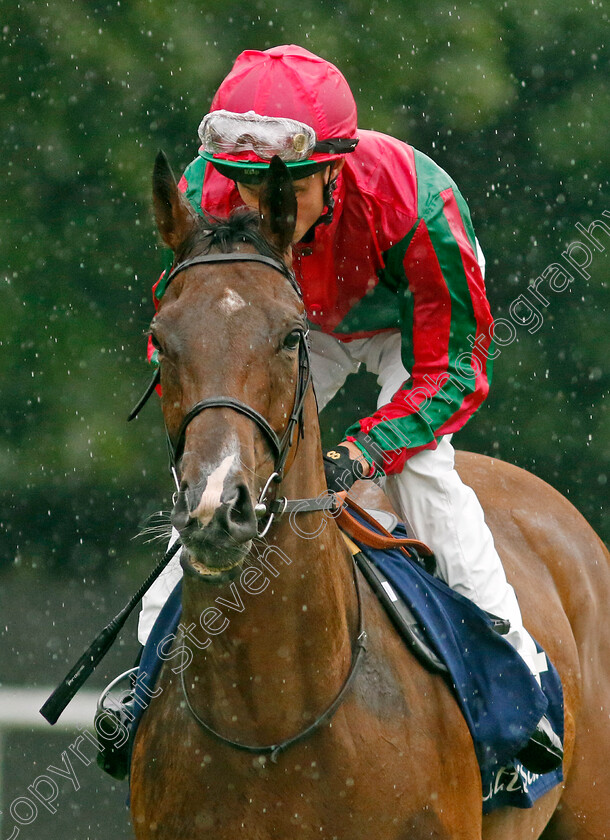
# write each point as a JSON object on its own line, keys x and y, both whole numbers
{"x": 280, "y": 446}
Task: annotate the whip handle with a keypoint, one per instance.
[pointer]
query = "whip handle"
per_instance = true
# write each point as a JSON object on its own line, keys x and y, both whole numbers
{"x": 88, "y": 662}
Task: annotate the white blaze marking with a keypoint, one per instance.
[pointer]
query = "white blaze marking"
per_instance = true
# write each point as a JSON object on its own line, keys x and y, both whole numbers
{"x": 231, "y": 301}
{"x": 210, "y": 498}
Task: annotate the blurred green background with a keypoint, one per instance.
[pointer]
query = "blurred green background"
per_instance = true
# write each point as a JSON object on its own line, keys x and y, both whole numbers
{"x": 512, "y": 98}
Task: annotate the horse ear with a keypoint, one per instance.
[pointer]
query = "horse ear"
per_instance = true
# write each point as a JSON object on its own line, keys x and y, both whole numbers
{"x": 175, "y": 217}
{"x": 278, "y": 205}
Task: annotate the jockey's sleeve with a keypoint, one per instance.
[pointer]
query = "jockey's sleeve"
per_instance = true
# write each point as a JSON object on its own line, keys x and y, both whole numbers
{"x": 447, "y": 335}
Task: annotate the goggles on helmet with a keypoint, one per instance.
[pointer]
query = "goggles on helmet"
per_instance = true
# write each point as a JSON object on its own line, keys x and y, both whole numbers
{"x": 252, "y": 140}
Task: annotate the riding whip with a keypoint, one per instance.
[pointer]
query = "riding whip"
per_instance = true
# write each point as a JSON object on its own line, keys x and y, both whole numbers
{"x": 88, "y": 662}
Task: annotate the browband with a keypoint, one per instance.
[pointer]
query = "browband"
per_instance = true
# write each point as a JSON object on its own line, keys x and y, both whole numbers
{"x": 233, "y": 257}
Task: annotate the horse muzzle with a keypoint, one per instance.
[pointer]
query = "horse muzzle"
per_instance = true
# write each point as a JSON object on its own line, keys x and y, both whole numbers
{"x": 216, "y": 529}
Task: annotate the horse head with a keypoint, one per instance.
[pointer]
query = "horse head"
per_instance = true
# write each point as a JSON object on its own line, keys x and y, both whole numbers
{"x": 229, "y": 332}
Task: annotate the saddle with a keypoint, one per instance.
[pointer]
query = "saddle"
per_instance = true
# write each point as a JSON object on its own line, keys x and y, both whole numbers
{"x": 377, "y": 534}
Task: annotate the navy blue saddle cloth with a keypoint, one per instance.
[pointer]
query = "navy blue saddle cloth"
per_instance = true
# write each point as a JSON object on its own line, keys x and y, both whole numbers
{"x": 500, "y": 700}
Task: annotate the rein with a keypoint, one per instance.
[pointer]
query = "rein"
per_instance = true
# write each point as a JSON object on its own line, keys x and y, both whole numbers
{"x": 84, "y": 667}
{"x": 358, "y": 649}
{"x": 280, "y": 448}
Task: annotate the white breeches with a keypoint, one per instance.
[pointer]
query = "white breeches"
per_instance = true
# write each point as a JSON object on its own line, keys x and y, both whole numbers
{"x": 443, "y": 511}
{"x": 159, "y": 592}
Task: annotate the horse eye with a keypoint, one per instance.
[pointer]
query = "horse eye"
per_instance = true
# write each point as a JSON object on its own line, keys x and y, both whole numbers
{"x": 291, "y": 342}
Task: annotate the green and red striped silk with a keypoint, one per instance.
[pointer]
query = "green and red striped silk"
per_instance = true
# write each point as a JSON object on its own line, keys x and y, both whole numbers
{"x": 400, "y": 254}
{"x": 446, "y": 314}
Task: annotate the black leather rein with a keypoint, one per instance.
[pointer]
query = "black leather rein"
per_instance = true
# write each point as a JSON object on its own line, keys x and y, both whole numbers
{"x": 280, "y": 447}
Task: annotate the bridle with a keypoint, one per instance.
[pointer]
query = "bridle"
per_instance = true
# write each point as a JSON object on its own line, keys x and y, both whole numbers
{"x": 266, "y": 509}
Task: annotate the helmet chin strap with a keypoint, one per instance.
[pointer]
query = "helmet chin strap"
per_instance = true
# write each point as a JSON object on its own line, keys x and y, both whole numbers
{"x": 328, "y": 198}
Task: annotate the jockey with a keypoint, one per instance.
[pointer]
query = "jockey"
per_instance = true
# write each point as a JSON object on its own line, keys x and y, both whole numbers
{"x": 392, "y": 278}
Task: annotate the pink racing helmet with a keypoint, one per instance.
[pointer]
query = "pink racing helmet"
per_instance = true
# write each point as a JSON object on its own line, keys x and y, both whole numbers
{"x": 285, "y": 101}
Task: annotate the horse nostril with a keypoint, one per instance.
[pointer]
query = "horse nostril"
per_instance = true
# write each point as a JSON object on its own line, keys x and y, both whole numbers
{"x": 236, "y": 516}
{"x": 225, "y": 518}
{"x": 241, "y": 510}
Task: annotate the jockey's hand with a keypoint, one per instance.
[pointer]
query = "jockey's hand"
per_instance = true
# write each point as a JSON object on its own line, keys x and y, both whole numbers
{"x": 343, "y": 465}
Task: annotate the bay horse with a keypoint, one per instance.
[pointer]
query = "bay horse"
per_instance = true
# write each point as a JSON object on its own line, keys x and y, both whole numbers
{"x": 372, "y": 744}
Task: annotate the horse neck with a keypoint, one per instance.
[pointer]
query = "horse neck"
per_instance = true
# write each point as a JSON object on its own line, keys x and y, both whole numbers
{"x": 282, "y": 654}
